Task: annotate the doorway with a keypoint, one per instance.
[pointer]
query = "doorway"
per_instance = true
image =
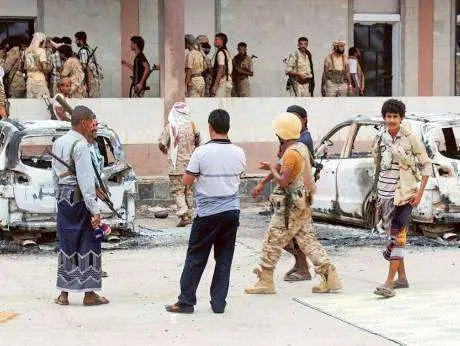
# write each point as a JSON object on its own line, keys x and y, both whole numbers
{"x": 375, "y": 42}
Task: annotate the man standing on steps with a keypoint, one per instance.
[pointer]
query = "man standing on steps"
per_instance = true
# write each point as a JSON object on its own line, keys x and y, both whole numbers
{"x": 292, "y": 218}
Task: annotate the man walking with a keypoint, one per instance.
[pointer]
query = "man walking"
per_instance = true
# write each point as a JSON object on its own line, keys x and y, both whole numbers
{"x": 292, "y": 218}
{"x": 78, "y": 214}
{"x": 402, "y": 162}
{"x": 242, "y": 70}
{"x": 221, "y": 85}
{"x": 300, "y": 270}
{"x": 140, "y": 67}
{"x": 181, "y": 136}
{"x": 300, "y": 70}
{"x": 335, "y": 75}
{"x": 195, "y": 65}
{"x": 357, "y": 79}
{"x": 93, "y": 73}
{"x": 216, "y": 167}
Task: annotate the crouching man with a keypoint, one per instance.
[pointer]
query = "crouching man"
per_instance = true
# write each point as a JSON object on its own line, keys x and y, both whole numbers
{"x": 402, "y": 162}
{"x": 292, "y": 218}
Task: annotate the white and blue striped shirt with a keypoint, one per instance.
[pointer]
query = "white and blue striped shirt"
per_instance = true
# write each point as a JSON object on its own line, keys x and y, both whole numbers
{"x": 218, "y": 166}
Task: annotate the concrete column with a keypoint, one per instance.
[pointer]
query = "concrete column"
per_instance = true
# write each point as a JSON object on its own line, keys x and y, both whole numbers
{"x": 425, "y": 50}
{"x": 172, "y": 62}
{"x": 129, "y": 27}
{"x": 409, "y": 54}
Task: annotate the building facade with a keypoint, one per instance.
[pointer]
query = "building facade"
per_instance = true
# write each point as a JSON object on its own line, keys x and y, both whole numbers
{"x": 409, "y": 47}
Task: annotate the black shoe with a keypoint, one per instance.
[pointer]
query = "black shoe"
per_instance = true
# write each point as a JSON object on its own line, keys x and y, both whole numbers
{"x": 218, "y": 310}
{"x": 176, "y": 308}
{"x": 104, "y": 274}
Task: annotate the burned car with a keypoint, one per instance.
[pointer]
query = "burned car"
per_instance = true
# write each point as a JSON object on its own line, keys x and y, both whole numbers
{"x": 346, "y": 179}
{"x": 27, "y": 197}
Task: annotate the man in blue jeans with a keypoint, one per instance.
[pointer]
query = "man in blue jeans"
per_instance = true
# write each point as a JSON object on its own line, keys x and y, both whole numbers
{"x": 216, "y": 168}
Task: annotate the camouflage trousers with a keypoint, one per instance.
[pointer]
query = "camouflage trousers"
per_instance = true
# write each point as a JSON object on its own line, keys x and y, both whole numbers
{"x": 37, "y": 89}
{"x": 241, "y": 88}
{"x": 301, "y": 90}
{"x": 301, "y": 229}
{"x": 224, "y": 89}
{"x": 336, "y": 89}
{"x": 17, "y": 88}
{"x": 196, "y": 87}
{"x": 183, "y": 196}
{"x": 94, "y": 88}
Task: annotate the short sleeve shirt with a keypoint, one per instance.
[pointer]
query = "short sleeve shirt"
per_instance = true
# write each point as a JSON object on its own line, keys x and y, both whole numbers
{"x": 195, "y": 61}
{"x": 292, "y": 160}
{"x": 138, "y": 67}
{"x": 221, "y": 61}
{"x": 218, "y": 166}
{"x": 33, "y": 60}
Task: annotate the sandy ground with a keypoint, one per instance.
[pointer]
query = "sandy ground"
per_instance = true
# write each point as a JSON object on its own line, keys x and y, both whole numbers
{"x": 144, "y": 276}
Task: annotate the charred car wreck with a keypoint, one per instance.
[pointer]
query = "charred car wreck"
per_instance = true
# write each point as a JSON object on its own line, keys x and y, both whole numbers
{"x": 344, "y": 189}
{"x": 27, "y": 196}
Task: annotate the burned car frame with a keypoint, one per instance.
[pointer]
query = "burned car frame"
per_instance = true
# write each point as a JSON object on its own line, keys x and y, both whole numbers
{"x": 27, "y": 196}
{"x": 344, "y": 188}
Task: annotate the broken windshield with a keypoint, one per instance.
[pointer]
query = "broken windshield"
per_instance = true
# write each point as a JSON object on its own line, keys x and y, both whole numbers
{"x": 32, "y": 151}
{"x": 447, "y": 141}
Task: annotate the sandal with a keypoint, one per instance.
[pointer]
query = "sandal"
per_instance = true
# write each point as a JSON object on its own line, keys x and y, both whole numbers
{"x": 296, "y": 276}
{"x": 400, "y": 284}
{"x": 385, "y": 291}
{"x": 99, "y": 301}
{"x": 58, "y": 301}
{"x": 176, "y": 308}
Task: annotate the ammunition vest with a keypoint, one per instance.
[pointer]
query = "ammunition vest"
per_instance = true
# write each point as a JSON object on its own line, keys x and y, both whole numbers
{"x": 295, "y": 193}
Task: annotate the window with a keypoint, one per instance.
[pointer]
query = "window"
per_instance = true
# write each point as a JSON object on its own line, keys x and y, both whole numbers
{"x": 447, "y": 141}
{"x": 16, "y": 27}
{"x": 336, "y": 141}
{"x": 32, "y": 151}
{"x": 362, "y": 143}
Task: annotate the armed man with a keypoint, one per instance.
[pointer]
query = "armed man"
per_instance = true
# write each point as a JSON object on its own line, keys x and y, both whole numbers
{"x": 242, "y": 70}
{"x": 292, "y": 205}
{"x": 336, "y": 76}
{"x": 78, "y": 213}
{"x": 301, "y": 82}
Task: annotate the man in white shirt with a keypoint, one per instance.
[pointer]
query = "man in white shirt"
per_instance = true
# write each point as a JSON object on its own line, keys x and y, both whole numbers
{"x": 216, "y": 167}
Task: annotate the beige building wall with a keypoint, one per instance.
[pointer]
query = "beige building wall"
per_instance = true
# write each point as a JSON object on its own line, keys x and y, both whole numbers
{"x": 409, "y": 14}
{"x": 443, "y": 57}
{"x": 271, "y": 29}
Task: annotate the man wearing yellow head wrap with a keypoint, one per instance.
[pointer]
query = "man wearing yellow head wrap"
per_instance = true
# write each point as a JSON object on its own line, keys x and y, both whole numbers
{"x": 292, "y": 205}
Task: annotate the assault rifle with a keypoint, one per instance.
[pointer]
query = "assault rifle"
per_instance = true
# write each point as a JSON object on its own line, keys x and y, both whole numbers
{"x": 103, "y": 194}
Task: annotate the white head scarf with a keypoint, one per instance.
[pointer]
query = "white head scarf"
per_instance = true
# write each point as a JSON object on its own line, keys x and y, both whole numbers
{"x": 37, "y": 38}
{"x": 178, "y": 115}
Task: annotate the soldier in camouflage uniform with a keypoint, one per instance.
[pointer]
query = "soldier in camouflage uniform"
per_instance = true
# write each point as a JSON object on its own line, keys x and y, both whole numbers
{"x": 292, "y": 218}
{"x": 181, "y": 136}
{"x": 15, "y": 81}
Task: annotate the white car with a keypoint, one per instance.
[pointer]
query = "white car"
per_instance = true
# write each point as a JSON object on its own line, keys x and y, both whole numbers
{"x": 346, "y": 179}
{"x": 27, "y": 196}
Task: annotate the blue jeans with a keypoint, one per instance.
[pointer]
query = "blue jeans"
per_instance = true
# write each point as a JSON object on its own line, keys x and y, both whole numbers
{"x": 218, "y": 230}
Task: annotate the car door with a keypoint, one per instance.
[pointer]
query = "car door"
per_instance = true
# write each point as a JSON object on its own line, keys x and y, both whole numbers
{"x": 329, "y": 153}
{"x": 355, "y": 174}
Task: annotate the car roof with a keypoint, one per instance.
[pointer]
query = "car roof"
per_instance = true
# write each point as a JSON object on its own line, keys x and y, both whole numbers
{"x": 21, "y": 125}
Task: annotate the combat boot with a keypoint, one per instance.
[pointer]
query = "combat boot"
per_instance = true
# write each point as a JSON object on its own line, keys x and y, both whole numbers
{"x": 329, "y": 282}
{"x": 265, "y": 285}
